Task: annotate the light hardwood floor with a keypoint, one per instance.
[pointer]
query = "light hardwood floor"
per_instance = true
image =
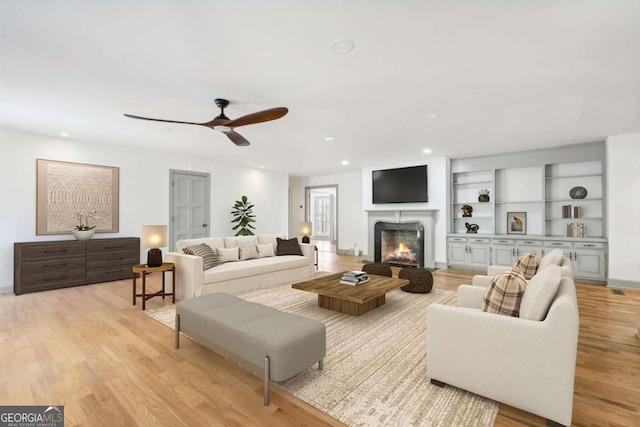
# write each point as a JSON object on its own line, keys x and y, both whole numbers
{"x": 89, "y": 349}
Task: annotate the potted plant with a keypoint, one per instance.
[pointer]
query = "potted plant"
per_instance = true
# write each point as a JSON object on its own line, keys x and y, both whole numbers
{"x": 243, "y": 216}
{"x": 84, "y": 231}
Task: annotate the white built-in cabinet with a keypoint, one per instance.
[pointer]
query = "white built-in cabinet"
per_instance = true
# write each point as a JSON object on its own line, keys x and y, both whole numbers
{"x": 542, "y": 184}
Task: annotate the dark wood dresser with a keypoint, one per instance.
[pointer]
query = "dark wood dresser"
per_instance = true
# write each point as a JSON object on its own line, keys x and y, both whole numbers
{"x": 41, "y": 266}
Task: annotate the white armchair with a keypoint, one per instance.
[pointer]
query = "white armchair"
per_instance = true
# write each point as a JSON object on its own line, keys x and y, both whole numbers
{"x": 528, "y": 364}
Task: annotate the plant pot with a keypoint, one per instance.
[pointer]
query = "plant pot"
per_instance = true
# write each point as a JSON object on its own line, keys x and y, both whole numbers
{"x": 483, "y": 198}
{"x": 83, "y": 234}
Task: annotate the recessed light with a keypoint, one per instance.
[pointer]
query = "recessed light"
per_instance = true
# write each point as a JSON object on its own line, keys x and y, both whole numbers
{"x": 431, "y": 116}
{"x": 65, "y": 134}
{"x": 329, "y": 138}
{"x": 345, "y": 162}
{"x": 342, "y": 46}
{"x": 426, "y": 151}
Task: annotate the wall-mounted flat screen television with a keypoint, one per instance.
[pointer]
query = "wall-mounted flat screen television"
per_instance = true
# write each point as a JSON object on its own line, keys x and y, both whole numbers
{"x": 402, "y": 185}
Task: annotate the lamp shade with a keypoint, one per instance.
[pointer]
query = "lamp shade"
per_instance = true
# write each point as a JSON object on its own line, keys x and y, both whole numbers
{"x": 305, "y": 228}
{"x": 154, "y": 236}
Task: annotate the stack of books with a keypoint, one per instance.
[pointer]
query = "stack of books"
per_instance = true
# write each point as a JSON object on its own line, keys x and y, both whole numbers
{"x": 354, "y": 278}
{"x": 576, "y": 229}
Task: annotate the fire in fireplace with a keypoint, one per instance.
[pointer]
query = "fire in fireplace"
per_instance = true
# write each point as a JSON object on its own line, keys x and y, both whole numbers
{"x": 399, "y": 244}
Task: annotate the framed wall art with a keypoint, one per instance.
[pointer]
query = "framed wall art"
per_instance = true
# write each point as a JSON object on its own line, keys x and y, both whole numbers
{"x": 66, "y": 190}
{"x": 516, "y": 223}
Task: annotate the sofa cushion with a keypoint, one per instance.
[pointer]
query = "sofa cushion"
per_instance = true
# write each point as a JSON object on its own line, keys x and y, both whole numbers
{"x": 527, "y": 264}
{"x": 246, "y": 245}
{"x": 288, "y": 247}
{"x": 253, "y": 267}
{"x": 263, "y": 239}
{"x": 504, "y": 294}
{"x": 265, "y": 250}
{"x": 540, "y": 292}
{"x": 229, "y": 254}
{"x": 552, "y": 258}
{"x": 212, "y": 242}
{"x": 209, "y": 257}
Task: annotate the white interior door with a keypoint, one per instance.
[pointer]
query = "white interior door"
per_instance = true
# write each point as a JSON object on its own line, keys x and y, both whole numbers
{"x": 189, "y": 206}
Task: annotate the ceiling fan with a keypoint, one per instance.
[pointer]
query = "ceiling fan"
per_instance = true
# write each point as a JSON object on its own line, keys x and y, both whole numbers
{"x": 225, "y": 125}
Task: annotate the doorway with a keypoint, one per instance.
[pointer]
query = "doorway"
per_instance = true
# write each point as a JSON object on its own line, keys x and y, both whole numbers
{"x": 321, "y": 210}
{"x": 189, "y": 206}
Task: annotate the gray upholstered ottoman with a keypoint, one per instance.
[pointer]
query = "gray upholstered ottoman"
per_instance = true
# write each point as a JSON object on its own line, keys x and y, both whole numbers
{"x": 285, "y": 344}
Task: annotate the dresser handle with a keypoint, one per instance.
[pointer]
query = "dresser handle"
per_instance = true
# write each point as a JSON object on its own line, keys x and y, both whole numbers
{"x": 502, "y": 241}
{"x": 114, "y": 271}
{"x": 55, "y": 278}
{"x": 588, "y": 245}
{"x": 53, "y": 252}
{"x": 557, "y": 244}
{"x": 529, "y": 243}
{"x": 55, "y": 265}
{"x": 115, "y": 259}
{"x": 114, "y": 247}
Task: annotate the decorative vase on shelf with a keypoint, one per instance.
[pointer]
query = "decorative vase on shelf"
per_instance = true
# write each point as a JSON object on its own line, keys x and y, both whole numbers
{"x": 83, "y": 234}
{"x": 484, "y": 196}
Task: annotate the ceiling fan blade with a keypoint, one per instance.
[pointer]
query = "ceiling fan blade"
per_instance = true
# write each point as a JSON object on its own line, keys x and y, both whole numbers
{"x": 237, "y": 139}
{"x": 161, "y": 120}
{"x": 259, "y": 117}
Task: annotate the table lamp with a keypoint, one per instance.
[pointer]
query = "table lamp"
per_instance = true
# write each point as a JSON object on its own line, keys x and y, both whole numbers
{"x": 154, "y": 237}
{"x": 305, "y": 230}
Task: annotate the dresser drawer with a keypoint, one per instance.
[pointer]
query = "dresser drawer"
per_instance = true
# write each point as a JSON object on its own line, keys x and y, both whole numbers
{"x": 52, "y": 280}
{"x": 111, "y": 259}
{"x": 109, "y": 273}
{"x": 477, "y": 240}
{"x": 97, "y": 247}
{"x": 503, "y": 242}
{"x": 556, "y": 244}
{"x": 536, "y": 243}
{"x": 66, "y": 249}
{"x": 51, "y": 265}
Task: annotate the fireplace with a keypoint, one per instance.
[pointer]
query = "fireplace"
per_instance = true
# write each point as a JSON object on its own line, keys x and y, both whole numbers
{"x": 399, "y": 244}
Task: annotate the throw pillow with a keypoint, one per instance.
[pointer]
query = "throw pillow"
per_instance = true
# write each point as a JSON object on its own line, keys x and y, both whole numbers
{"x": 540, "y": 293}
{"x": 265, "y": 251}
{"x": 288, "y": 247}
{"x": 228, "y": 254}
{"x": 504, "y": 294}
{"x": 527, "y": 264}
{"x": 209, "y": 257}
{"x": 246, "y": 246}
{"x": 552, "y": 258}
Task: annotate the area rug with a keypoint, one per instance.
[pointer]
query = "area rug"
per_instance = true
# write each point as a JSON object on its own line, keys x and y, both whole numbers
{"x": 375, "y": 369}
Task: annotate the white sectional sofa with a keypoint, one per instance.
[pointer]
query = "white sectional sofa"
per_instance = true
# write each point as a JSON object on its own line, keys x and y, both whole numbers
{"x": 239, "y": 276}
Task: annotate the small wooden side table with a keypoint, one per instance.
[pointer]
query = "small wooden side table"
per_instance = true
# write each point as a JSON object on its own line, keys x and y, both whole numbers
{"x": 143, "y": 270}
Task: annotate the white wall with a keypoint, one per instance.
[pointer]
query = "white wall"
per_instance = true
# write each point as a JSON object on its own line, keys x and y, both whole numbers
{"x": 352, "y": 219}
{"x": 623, "y": 209}
{"x": 144, "y": 189}
{"x": 437, "y": 195}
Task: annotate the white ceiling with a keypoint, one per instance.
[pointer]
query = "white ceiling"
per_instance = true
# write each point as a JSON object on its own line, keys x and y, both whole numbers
{"x": 503, "y": 75}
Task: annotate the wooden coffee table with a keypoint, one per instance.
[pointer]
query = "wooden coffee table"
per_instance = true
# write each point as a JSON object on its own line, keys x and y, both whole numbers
{"x": 353, "y": 300}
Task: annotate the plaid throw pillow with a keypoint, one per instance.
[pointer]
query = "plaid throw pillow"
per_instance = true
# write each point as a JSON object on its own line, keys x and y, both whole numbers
{"x": 209, "y": 257}
{"x": 504, "y": 294}
{"x": 527, "y": 264}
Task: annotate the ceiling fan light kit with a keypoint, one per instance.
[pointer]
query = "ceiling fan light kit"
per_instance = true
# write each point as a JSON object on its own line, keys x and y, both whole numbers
{"x": 225, "y": 125}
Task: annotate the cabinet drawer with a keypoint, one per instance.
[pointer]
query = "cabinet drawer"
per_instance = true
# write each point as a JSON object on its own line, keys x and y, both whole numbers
{"x": 112, "y": 259}
{"x": 556, "y": 244}
{"x": 458, "y": 239}
{"x": 503, "y": 242}
{"x": 536, "y": 243}
{"x": 97, "y": 247}
{"x": 589, "y": 245}
{"x": 482, "y": 240}
{"x": 58, "y": 250}
{"x": 51, "y": 265}
{"x": 52, "y": 280}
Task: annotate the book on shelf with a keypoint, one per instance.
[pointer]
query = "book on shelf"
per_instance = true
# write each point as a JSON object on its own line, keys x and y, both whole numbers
{"x": 578, "y": 211}
{"x": 576, "y": 229}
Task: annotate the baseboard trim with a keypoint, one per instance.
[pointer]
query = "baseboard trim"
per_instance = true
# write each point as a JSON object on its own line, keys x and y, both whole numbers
{"x": 628, "y": 284}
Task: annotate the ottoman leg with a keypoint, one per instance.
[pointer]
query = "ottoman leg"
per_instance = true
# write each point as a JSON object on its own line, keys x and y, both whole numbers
{"x": 266, "y": 380}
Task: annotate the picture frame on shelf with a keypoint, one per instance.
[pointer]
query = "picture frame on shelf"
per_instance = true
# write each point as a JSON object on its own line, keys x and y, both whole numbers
{"x": 516, "y": 223}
